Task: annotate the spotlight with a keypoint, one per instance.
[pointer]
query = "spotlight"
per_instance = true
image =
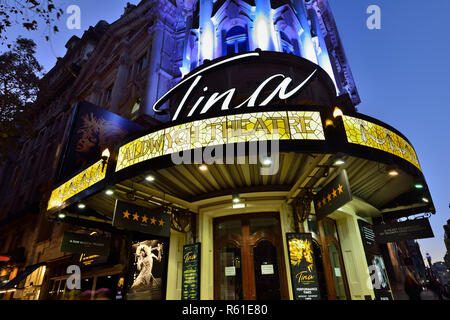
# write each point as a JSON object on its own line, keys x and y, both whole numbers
{"x": 425, "y": 200}
{"x": 109, "y": 192}
{"x": 339, "y": 162}
{"x": 81, "y": 206}
{"x": 418, "y": 186}
{"x": 61, "y": 215}
{"x": 238, "y": 205}
{"x": 236, "y": 198}
{"x": 203, "y": 167}
{"x": 150, "y": 178}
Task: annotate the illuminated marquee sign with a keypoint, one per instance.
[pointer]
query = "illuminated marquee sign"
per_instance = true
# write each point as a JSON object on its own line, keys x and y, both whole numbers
{"x": 371, "y": 135}
{"x": 261, "y": 126}
{"x": 280, "y": 91}
{"x": 77, "y": 184}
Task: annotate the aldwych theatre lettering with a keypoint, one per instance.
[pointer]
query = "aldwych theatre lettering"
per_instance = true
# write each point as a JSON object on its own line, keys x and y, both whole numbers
{"x": 281, "y": 91}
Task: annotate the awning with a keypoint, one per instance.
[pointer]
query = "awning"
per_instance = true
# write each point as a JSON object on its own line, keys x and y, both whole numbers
{"x": 21, "y": 276}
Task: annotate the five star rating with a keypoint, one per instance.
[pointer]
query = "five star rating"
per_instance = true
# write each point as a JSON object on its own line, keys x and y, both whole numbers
{"x": 334, "y": 194}
{"x": 144, "y": 219}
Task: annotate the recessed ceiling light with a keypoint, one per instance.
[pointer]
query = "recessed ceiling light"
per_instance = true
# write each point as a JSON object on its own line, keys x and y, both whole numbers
{"x": 393, "y": 173}
{"x": 61, "y": 215}
{"x": 418, "y": 186}
{"x": 109, "y": 192}
{"x": 203, "y": 167}
{"x": 267, "y": 162}
{"x": 238, "y": 205}
{"x": 339, "y": 162}
{"x": 425, "y": 200}
{"x": 150, "y": 178}
{"x": 81, "y": 206}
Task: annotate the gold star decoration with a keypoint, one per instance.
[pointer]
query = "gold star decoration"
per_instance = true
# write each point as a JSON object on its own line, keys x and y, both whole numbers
{"x": 329, "y": 197}
{"x": 334, "y": 193}
{"x": 136, "y": 217}
{"x": 340, "y": 189}
{"x": 319, "y": 204}
{"x": 161, "y": 222}
{"x": 152, "y": 220}
{"x": 126, "y": 214}
{"x": 324, "y": 201}
{"x": 144, "y": 219}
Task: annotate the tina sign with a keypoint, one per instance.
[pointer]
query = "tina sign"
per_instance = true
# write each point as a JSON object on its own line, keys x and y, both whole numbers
{"x": 303, "y": 266}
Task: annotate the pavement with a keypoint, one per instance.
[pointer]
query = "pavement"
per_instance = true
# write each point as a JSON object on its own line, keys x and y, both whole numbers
{"x": 430, "y": 295}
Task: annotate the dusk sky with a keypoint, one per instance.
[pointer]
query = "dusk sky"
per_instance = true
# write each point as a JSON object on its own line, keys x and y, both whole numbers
{"x": 401, "y": 72}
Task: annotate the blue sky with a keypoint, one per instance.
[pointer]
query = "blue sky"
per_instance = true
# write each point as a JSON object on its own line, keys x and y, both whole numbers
{"x": 401, "y": 72}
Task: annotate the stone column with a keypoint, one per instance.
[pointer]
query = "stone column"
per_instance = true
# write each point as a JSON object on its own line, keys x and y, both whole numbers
{"x": 264, "y": 15}
{"x": 188, "y": 12}
{"x": 306, "y": 44}
{"x": 119, "y": 84}
{"x": 207, "y": 35}
{"x": 157, "y": 33}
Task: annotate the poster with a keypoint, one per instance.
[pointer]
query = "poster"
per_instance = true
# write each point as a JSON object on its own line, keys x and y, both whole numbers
{"x": 190, "y": 287}
{"x": 303, "y": 266}
{"x": 147, "y": 270}
{"x": 92, "y": 130}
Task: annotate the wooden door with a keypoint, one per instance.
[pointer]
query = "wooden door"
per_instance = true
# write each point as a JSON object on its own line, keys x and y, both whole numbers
{"x": 248, "y": 258}
{"x": 333, "y": 262}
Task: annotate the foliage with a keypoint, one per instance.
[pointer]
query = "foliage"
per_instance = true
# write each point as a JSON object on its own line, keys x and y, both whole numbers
{"x": 27, "y": 13}
{"x": 19, "y": 85}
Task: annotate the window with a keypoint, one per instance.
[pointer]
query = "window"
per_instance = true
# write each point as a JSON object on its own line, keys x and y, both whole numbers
{"x": 286, "y": 43}
{"x": 236, "y": 40}
{"x": 136, "y": 106}
{"x": 108, "y": 94}
{"x": 142, "y": 63}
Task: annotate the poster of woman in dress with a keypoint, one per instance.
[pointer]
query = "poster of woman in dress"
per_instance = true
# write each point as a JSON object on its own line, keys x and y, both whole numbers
{"x": 147, "y": 270}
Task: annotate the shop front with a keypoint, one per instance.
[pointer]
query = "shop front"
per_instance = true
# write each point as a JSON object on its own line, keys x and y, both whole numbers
{"x": 267, "y": 170}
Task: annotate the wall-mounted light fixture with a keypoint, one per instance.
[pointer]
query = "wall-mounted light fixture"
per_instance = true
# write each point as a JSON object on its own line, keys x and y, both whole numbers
{"x": 337, "y": 112}
{"x": 105, "y": 156}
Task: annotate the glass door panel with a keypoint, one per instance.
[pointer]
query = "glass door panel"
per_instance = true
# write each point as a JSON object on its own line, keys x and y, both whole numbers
{"x": 230, "y": 273}
{"x": 267, "y": 279}
{"x": 336, "y": 271}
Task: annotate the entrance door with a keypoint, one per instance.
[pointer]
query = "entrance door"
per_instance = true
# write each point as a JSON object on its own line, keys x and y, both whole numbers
{"x": 333, "y": 262}
{"x": 248, "y": 258}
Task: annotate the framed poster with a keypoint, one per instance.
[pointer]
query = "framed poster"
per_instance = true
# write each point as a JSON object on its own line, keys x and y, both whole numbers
{"x": 304, "y": 279}
{"x": 147, "y": 272}
{"x": 190, "y": 287}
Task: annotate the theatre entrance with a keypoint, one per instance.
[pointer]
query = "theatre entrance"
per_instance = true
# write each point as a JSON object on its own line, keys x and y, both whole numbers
{"x": 248, "y": 258}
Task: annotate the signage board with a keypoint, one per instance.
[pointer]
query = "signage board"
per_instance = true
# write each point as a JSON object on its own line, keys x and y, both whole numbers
{"x": 136, "y": 218}
{"x": 375, "y": 263}
{"x": 190, "y": 286}
{"x": 332, "y": 196}
{"x": 248, "y": 127}
{"x": 85, "y": 244}
{"x": 302, "y": 262}
{"x": 401, "y": 231}
{"x": 371, "y": 135}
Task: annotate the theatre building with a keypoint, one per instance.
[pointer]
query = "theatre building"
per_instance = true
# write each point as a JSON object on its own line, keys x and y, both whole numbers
{"x": 214, "y": 151}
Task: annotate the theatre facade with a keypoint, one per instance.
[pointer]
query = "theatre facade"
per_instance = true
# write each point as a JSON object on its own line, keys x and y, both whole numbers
{"x": 242, "y": 171}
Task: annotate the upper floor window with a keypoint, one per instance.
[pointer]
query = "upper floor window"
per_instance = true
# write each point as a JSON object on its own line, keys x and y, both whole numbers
{"x": 236, "y": 40}
{"x": 142, "y": 63}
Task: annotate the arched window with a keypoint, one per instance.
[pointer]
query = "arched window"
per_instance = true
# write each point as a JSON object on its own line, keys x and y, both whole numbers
{"x": 286, "y": 43}
{"x": 236, "y": 40}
